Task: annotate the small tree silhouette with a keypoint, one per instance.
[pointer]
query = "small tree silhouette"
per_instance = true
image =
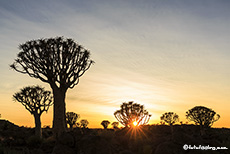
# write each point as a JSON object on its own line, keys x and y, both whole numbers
{"x": 170, "y": 118}
{"x": 115, "y": 125}
{"x": 105, "y": 124}
{"x": 36, "y": 100}
{"x": 132, "y": 112}
{"x": 84, "y": 123}
{"x": 71, "y": 119}
{"x": 203, "y": 116}
{"x": 60, "y": 63}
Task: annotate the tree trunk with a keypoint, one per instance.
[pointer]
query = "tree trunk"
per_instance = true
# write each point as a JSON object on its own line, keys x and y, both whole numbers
{"x": 202, "y": 130}
{"x": 59, "y": 118}
{"x": 38, "y": 129}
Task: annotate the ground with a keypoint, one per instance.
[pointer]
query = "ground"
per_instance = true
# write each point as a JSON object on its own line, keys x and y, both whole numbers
{"x": 149, "y": 139}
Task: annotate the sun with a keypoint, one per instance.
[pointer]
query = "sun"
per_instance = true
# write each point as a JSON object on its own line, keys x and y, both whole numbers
{"x": 135, "y": 123}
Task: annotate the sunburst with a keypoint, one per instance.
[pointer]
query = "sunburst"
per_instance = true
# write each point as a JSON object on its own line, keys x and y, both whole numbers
{"x": 135, "y": 123}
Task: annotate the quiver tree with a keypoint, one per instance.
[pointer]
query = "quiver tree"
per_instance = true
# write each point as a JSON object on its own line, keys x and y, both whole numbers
{"x": 105, "y": 124}
{"x": 115, "y": 125}
{"x": 60, "y": 63}
{"x": 203, "y": 116}
{"x": 36, "y": 100}
{"x": 132, "y": 114}
{"x": 170, "y": 118}
{"x": 84, "y": 123}
{"x": 71, "y": 119}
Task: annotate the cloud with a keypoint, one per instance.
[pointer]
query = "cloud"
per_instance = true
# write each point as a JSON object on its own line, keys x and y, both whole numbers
{"x": 159, "y": 51}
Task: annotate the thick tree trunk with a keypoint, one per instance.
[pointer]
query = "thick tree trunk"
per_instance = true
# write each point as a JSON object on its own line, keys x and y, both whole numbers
{"x": 59, "y": 118}
{"x": 38, "y": 129}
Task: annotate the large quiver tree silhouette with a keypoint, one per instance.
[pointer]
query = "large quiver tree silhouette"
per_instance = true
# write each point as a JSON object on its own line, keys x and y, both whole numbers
{"x": 57, "y": 61}
{"x": 36, "y": 100}
{"x": 203, "y": 116}
{"x": 132, "y": 112}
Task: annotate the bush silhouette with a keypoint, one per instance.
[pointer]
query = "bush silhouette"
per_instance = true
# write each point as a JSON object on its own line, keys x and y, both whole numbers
{"x": 132, "y": 112}
{"x": 105, "y": 124}
{"x": 36, "y": 100}
{"x": 60, "y": 63}
{"x": 71, "y": 118}
{"x": 170, "y": 118}
{"x": 115, "y": 125}
{"x": 84, "y": 123}
{"x": 203, "y": 116}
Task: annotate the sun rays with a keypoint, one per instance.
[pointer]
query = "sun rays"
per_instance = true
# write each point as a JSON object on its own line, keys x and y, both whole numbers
{"x": 135, "y": 123}
{"x": 137, "y": 133}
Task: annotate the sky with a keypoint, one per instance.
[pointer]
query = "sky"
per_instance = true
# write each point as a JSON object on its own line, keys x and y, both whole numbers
{"x": 167, "y": 55}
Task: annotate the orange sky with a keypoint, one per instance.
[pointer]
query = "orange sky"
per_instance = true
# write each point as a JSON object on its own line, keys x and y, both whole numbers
{"x": 168, "y": 56}
{"x": 95, "y": 101}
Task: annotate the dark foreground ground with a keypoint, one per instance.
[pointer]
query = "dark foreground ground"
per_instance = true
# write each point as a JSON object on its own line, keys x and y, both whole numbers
{"x": 152, "y": 139}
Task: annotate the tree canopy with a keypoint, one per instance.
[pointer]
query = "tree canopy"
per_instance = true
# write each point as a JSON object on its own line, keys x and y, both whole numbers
{"x": 84, "y": 123}
{"x": 105, "y": 124}
{"x": 115, "y": 125}
{"x": 170, "y": 118}
{"x": 57, "y": 61}
{"x": 71, "y": 118}
{"x": 132, "y": 112}
{"x": 34, "y": 98}
{"x": 202, "y": 115}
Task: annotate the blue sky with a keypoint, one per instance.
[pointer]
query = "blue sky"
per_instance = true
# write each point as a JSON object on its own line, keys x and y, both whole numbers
{"x": 169, "y": 55}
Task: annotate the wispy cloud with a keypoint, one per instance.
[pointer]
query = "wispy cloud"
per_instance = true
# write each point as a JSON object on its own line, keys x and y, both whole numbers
{"x": 161, "y": 53}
